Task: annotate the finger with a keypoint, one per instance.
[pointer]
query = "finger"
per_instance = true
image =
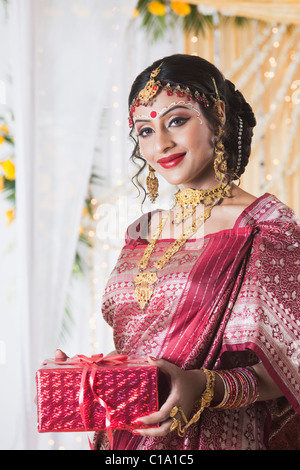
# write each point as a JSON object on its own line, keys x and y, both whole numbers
{"x": 162, "y": 414}
{"x": 165, "y": 366}
{"x": 60, "y": 355}
{"x": 162, "y": 430}
{"x": 153, "y": 418}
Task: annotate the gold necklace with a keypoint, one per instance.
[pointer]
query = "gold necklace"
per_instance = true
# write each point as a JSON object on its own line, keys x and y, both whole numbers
{"x": 189, "y": 199}
{"x": 145, "y": 280}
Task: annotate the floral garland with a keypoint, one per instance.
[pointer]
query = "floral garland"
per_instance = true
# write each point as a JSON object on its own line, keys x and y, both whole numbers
{"x": 159, "y": 16}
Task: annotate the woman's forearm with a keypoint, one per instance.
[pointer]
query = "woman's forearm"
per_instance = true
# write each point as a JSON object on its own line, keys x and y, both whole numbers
{"x": 267, "y": 389}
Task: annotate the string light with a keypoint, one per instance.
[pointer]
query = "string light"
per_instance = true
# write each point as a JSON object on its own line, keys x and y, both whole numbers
{"x": 244, "y": 59}
{"x": 259, "y": 60}
{"x": 278, "y": 99}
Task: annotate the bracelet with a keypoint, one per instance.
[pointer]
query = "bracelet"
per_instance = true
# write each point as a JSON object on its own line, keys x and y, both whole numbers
{"x": 240, "y": 388}
{"x": 203, "y": 403}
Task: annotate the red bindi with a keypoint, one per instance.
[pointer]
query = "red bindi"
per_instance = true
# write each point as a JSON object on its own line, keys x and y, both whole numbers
{"x": 153, "y": 114}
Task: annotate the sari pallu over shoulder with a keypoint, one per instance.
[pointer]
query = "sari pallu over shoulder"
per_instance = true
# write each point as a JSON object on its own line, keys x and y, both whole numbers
{"x": 205, "y": 306}
{"x": 266, "y": 320}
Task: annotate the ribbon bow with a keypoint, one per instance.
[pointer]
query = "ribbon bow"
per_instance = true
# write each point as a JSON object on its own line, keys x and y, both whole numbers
{"x": 91, "y": 363}
{"x": 95, "y": 359}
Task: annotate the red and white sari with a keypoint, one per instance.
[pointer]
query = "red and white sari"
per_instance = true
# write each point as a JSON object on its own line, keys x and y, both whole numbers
{"x": 226, "y": 300}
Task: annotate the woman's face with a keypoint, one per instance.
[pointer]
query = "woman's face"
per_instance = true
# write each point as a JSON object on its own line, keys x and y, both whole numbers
{"x": 175, "y": 139}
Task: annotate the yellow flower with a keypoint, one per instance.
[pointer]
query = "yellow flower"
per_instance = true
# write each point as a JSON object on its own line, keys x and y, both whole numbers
{"x": 10, "y": 216}
{"x": 181, "y": 8}
{"x": 4, "y": 129}
{"x": 136, "y": 13}
{"x": 1, "y": 183}
{"x": 81, "y": 230}
{"x": 85, "y": 211}
{"x": 157, "y": 8}
{"x": 9, "y": 169}
{"x": 2, "y": 140}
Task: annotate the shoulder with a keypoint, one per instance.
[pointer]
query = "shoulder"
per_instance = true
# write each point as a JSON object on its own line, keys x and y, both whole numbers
{"x": 267, "y": 209}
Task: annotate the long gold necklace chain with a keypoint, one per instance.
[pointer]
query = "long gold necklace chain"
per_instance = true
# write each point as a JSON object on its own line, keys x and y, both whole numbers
{"x": 145, "y": 279}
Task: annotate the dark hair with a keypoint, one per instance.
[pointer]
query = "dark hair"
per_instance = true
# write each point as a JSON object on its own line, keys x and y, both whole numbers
{"x": 197, "y": 73}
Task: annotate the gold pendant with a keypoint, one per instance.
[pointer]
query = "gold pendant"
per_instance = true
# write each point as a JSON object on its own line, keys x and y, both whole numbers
{"x": 142, "y": 291}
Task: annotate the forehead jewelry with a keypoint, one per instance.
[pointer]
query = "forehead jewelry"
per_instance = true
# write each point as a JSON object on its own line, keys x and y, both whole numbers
{"x": 153, "y": 86}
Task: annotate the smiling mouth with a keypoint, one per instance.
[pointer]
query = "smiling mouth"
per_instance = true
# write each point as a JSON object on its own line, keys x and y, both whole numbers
{"x": 171, "y": 158}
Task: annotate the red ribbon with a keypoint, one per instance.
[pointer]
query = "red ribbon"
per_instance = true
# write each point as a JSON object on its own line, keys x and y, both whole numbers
{"x": 90, "y": 364}
{"x": 96, "y": 359}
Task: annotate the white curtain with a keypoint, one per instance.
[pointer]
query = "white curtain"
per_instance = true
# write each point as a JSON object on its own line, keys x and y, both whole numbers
{"x": 59, "y": 52}
{"x": 71, "y": 66}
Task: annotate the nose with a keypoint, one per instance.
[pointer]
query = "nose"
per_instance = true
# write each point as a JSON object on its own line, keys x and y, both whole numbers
{"x": 163, "y": 141}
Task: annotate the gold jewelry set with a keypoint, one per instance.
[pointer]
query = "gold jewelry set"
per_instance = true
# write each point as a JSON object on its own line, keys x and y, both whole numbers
{"x": 188, "y": 199}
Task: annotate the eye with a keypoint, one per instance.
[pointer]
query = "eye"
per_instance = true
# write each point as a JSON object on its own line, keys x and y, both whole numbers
{"x": 178, "y": 121}
{"x": 145, "y": 132}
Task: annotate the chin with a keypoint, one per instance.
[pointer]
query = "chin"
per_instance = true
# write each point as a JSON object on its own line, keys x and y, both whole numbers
{"x": 179, "y": 181}
{"x": 174, "y": 178}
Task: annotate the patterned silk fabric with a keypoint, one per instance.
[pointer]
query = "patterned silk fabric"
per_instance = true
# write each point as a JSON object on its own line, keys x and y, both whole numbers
{"x": 228, "y": 299}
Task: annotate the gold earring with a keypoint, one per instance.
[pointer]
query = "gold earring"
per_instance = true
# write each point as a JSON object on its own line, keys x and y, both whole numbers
{"x": 152, "y": 185}
{"x": 220, "y": 164}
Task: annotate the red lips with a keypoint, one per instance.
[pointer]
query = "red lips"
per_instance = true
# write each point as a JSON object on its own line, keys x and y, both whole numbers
{"x": 171, "y": 160}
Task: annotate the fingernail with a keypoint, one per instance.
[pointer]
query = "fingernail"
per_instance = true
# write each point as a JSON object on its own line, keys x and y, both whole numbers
{"x": 137, "y": 433}
{"x": 137, "y": 422}
{"x": 153, "y": 358}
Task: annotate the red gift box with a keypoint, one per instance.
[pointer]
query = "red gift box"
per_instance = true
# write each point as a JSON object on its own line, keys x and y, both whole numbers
{"x": 97, "y": 393}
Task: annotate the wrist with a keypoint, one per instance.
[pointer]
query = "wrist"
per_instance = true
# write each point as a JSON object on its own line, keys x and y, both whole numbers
{"x": 200, "y": 380}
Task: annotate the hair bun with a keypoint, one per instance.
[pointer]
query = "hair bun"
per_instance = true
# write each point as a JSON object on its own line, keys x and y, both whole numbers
{"x": 238, "y": 105}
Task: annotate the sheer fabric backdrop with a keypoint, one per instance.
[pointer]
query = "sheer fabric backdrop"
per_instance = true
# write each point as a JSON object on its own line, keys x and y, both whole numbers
{"x": 71, "y": 62}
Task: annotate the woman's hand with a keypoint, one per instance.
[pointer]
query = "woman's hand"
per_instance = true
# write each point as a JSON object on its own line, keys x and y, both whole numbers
{"x": 186, "y": 388}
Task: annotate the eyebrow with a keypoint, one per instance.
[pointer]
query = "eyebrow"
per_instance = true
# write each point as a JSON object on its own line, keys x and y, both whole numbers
{"x": 164, "y": 114}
